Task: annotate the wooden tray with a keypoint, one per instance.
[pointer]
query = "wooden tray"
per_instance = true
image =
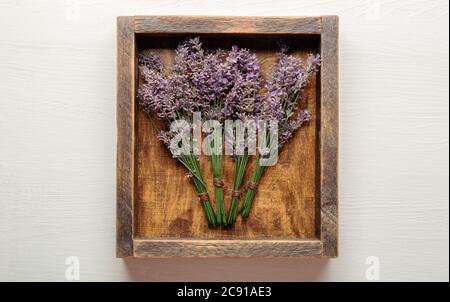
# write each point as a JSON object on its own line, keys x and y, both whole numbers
{"x": 295, "y": 210}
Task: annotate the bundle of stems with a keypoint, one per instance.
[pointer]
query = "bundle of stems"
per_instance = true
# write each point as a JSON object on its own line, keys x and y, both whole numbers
{"x": 233, "y": 79}
{"x": 161, "y": 94}
{"x": 216, "y": 163}
{"x": 285, "y": 89}
{"x": 244, "y": 210}
{"x": 192, "y": 163}
{"x": 240, "y": 165}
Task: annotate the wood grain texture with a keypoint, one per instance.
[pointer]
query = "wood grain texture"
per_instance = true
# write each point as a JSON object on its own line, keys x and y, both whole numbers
{"x": 227, "y": 248}
{"x": 125, "y": 135}
{"x": 166, "y": 203}
{"x": 329, "y": 136}
{"x": 220, "y": 25}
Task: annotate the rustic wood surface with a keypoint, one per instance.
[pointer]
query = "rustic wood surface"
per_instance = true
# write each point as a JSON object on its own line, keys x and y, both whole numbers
{"x": 227, "y": 248}
{"x": 237, "y": 25}
{"x": 125, "y": 135}
{"x": 166, "y": 203}
{"x": 295, "y": 201}
{"x": 329, "y": 132}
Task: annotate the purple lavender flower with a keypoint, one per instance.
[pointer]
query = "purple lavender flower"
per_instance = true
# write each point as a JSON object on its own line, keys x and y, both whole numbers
{"x": 225, "y": 85}
{"x": 243, "y": 68}
{"x": 285, "y": 88}
{"x": 210, "y": 84}
{"x": 152, "y": 61}
{"x": 189, "y": 57}
{"x": 164, "y": 137}
{"x": 173, "y": 97}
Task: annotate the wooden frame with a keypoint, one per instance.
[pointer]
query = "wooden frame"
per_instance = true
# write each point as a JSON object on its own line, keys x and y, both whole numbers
{"x": 326, "y": 245}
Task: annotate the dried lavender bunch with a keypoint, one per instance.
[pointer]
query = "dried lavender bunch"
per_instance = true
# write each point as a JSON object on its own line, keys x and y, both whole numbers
{"x": 213, "y": 82}
{"x": 209, "y": 84}
{"x": 284, "y": 91}
{"x": 240, "y": 103}
{"x": 226, "y": 85}
{"x": 173, "y": 98}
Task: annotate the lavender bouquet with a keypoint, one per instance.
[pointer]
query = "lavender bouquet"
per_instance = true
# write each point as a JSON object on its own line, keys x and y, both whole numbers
{"x": 284, "y": 91}
{"x": 223, "y": 86}
{"x": 218, "y": 84}
{"x": 175, "y": 98}
{"x": 213, "y": 83}
{"x": 242, "y": 101}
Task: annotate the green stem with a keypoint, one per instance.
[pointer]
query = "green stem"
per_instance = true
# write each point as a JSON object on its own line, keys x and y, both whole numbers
{"x": 250, "y": 195}
{"x": 239, "y": 171}
{"x": 199, "y": 184}
{"x": 216, "y": 161}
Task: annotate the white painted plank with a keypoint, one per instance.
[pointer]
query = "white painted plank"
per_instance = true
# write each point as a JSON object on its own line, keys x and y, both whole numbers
{"x": 57, "y": 141}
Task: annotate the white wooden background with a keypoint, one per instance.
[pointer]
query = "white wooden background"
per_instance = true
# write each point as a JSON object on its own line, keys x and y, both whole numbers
{"x": 57, "y": 141}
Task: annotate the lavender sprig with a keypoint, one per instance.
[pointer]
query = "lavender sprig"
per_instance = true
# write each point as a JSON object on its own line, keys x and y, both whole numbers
{"x": 209, "y": 84}
{"x": 241, "y": 102}
{"x": 227, "y": 86}
{"x": 285, "y": 89}
{"x": 174, "y": 97}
